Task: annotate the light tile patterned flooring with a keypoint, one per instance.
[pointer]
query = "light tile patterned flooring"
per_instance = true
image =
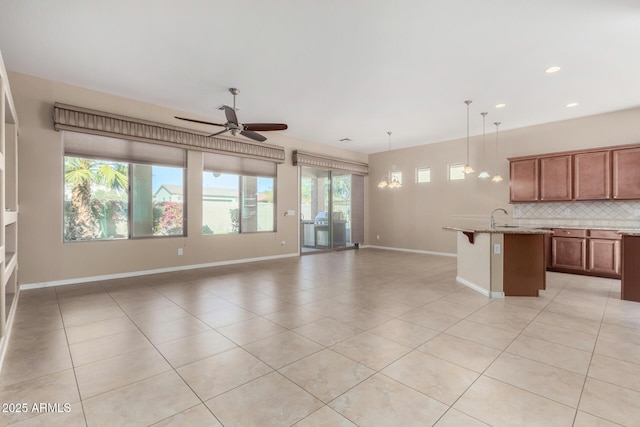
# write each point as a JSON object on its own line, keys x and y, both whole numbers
{"x": 355, "y": 338}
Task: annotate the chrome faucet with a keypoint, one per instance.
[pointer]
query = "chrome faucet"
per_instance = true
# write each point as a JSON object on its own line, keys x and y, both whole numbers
{"x": 493, "y": 221}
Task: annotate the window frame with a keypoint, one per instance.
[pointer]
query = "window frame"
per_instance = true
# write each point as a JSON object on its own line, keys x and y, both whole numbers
{"x": 130, "y": 199}
{"x": 241, "y": 198}
{"x": 457, "y": 165}
{"x": 418, "y": 170}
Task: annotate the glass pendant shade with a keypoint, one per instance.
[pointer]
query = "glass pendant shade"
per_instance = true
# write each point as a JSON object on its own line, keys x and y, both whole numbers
{"x": 389, "y": 181}
{"x": 496, "y": 177}
{"x": 483, "y": 174}
{"x": 467, "y": 167}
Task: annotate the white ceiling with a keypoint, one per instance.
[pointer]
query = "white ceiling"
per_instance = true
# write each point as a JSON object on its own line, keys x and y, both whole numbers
{"x": 341, "y": 68}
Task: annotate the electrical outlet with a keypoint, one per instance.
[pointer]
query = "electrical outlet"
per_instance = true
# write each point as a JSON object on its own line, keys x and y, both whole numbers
{"x": 180, "y": 251}
{"x": 284, "y": 242}
{"x": 377, "y": 237}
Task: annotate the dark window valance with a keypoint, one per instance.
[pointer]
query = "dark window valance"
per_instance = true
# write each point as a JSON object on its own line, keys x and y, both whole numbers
{"x": 84, "y": 120}
{"x": 301, "y": 158}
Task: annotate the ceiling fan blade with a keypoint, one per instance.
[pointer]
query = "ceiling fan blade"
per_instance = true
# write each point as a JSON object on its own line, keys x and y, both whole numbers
{"x": 219, "y": 133}
{"x": 198, "y": 121}
{"x": 253, "y": 135}
{"x": 231, "y": 114}
{"x": 264, "y": 126}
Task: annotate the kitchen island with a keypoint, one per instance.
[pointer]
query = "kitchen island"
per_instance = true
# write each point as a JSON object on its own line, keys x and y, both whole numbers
{"x": 501, "y": 261}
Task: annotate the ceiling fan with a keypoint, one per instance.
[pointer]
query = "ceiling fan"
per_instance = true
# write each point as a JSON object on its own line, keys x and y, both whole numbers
{"x": 232, "y": 125}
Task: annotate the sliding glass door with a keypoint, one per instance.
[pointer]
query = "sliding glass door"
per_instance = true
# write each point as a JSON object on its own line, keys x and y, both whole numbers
{"x": 325, "y": 210}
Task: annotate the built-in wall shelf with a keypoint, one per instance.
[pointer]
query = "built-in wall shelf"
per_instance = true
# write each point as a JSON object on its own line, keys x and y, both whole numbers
{"x": 9, "y": 288}
{"x": 10, "y": 261}
{"x": 10, "y": 217}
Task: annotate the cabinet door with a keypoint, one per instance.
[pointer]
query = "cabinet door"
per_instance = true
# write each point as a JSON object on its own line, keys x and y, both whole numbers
{"x": 626, "y": 173}
{"x": 592, "y": 175}
{"x": 604, "y": 256}
{"x": 555, "y": 178}
{"x": 569, "y": 253}
{"x": 523, "y": 182}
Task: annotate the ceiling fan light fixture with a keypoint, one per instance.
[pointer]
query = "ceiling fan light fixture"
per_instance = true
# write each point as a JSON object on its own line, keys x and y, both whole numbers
{"x": 384, "y": 183}
{"x": 484, "y": 175}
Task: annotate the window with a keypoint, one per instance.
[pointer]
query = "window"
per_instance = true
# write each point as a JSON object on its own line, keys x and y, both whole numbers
{"x": 158, "y": 201}
{"x": 396, "y": 176}
{"x": 237, "y": 195}
{"x": 456, "y": 172}
{"x": 423, "y": 175}
{"x": 118, "y": 189}
{"x": 95, "y": 199}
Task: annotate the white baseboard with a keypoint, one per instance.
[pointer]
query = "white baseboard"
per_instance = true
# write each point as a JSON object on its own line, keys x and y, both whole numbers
{"x": 147, "y": 272}
{"x": 415, "y": 251}
{"x": 479, "y": 289}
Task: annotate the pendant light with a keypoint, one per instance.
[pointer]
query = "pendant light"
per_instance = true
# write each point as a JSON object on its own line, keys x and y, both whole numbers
{"x": 467, "y": 167}
{"x": 483, "y": 174}
{"x": 496, "y": 177}
{"x": 389, "y": 181}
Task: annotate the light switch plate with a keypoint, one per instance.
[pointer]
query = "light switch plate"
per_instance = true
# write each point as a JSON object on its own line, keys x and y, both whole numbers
{"x": 496, "y": 248}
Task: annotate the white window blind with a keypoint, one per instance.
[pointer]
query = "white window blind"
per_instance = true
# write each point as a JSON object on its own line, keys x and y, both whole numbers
{"x": 122, "y": 150}
{"x": 239, "y": 165}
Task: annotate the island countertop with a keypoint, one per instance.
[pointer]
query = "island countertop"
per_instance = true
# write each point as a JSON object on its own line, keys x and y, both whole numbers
{"x": 500, "y": 230}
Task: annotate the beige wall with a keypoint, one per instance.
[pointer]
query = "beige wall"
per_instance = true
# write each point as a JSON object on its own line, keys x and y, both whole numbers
{"x": 412, "y": 217}
{"x": 43, "y": 257}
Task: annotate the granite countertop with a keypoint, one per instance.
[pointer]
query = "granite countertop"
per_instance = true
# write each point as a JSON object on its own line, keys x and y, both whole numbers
{"x": 580, "y": 227}
{"x": 501, "y": 229}
{"x": 629, "y": 232}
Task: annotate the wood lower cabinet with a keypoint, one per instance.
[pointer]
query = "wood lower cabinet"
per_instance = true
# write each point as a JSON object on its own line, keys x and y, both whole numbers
{"x": 604, "y": 256}
{"x": 630, "y": 268}
{"x": 592, "y": 175}
{"x": 590, "y": 252}
{"x": 569, "y": 253}
{"x": 626, "y": 173}
{"x": 556, "y": 178}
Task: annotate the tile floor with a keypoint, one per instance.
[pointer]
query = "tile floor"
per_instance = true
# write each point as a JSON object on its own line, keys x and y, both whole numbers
{"x": 355, "y": 338}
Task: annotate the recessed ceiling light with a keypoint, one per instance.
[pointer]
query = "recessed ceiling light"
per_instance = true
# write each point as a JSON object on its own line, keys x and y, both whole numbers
{"x": 346, "y": 140}
{"x": 501, "y": 105}
{"x": 572, "y": 104}
{"x": 552, "y": 70}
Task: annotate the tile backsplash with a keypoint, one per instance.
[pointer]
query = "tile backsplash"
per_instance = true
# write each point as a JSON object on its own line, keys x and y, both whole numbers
{"x": 597, "y": 213}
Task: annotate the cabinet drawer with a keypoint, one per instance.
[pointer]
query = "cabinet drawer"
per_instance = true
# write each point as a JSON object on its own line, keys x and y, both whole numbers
{"x": 570, "y": 232}
{"x": 605, "y": 234}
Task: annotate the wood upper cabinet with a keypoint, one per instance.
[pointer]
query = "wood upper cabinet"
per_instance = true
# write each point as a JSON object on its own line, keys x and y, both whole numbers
{"x": 626, "y": 173}
{"x": 592, "y": 175}
{"x": 556, "y": 178}
{"x": 523, "y": 182}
